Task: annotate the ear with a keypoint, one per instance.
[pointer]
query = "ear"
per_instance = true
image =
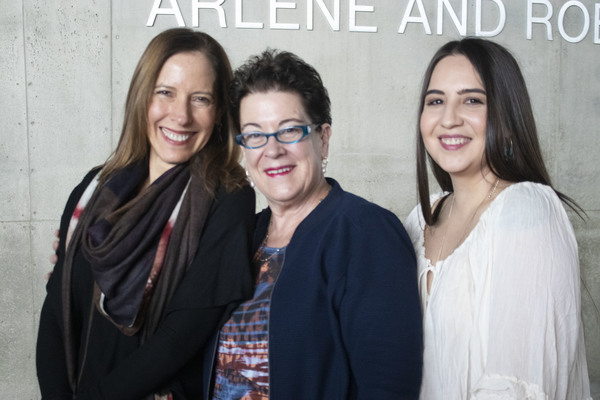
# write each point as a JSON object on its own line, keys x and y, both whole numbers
{"x": 325, "y": 135}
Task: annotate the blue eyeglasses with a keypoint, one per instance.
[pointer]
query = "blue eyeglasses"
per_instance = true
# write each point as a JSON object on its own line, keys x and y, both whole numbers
{"x": 288, "y": 135}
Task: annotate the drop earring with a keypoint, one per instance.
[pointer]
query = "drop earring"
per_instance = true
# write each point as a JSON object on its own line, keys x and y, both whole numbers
{"x": 249, "y": 178}
{"x": 324, "y": 165}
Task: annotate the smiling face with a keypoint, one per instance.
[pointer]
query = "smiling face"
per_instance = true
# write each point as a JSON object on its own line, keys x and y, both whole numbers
{"x": 453, "y": 122}
{"x": 287, "y": 174}
{"x": 182, "y": 112}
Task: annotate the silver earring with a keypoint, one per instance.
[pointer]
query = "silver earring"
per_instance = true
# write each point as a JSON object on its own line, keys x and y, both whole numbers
{"x": 324, "y": 165}
{"x": 249, "y": 178}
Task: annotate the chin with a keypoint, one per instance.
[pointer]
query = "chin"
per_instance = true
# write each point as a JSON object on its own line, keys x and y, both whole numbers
{"x": 281, "y": 197}
{"x": 180, "y": 158}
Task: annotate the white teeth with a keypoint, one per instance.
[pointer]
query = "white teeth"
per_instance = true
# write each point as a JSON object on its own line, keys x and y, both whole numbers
{"x": 454, "y": 141}
{"x": 279, "y": 171}
{"x": 177, "y": 137}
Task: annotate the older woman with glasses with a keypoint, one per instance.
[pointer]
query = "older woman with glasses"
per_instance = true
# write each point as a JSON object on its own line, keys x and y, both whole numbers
{"x": 335, "y": 313}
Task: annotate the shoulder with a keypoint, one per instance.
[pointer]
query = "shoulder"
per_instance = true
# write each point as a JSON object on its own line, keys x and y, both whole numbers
{"x": 529, "y": 219}
{"x": 231, "y": 210}
{"x": 238, "y": 198}
{"x": 529, "y": 203}
{"x": 530, "y": 192}
{"x": 360, "y": 210}
{"x": 349, "y": 213}
{"x": 91, "y": 174}
{"x": 243, "y": 193}
{"x": 530, "y": 212}
{"x": 343, "y": 203}
{"x": 77, "y": 192}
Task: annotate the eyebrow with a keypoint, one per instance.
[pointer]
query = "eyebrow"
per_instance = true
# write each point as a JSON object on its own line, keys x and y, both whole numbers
{"x": 462, "y": 91}
{"x": 283, "y": 122}
{"x": 173, "y": 88}
{"x": 474, "y": 90}
{"x": 250, "y": 124}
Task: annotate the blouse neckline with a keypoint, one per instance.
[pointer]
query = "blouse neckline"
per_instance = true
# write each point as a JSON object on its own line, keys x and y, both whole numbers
{"x": 482, "y": 218}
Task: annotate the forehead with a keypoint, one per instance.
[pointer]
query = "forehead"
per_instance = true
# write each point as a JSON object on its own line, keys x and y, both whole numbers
{"x": 271, "y": 106}
{"x": 181, "y": 67}
{"x": 455, "y": 70}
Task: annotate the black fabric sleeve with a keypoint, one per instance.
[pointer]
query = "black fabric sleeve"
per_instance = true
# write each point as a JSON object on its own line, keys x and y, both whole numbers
{"x": 50, "y": 353}
{"x": 50, "y": 357}
{"x": 177, "y": 340}
{"x": 221, "y": 274}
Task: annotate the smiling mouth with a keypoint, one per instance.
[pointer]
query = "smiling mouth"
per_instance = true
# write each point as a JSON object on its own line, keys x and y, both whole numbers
{"x": 174, "y": 136}
{"x": 454, "y": 141}
{"x": 278, "y": 171}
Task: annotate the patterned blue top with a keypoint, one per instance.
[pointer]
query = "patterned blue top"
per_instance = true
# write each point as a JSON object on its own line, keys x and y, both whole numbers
{"x": 242, "y": 369}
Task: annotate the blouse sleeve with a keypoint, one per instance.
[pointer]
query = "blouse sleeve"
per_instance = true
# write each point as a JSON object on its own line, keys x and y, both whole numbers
{"x": 533, "y": 329}
{"x": 414, "y": 224}
{"x": 219, "y": 276}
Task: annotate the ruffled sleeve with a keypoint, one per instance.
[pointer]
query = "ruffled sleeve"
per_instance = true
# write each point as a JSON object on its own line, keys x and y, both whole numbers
{"x": 533, "y": 329}
{"x": 504, "y": 387}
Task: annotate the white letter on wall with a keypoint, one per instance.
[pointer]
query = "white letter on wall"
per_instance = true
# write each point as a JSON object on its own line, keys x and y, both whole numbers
{"x": 597, "y": 24}
{"x": 156, "y": 10}
{"x": 461, "y": 26}
{"x": 274, "y": 5}
{"x": 353, "y": 10}
{"x": 239, "y": 15}
{"x": 422, "y": 18}
{"x": 197, "y": 5}
{"x": 561, "y": 20}
{"x": 334, "y": 21}
{"x": 544, "y": 20}
{"x": 501, "y": 20}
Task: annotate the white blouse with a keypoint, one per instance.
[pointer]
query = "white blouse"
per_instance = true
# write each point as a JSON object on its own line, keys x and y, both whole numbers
{"x": 502, "y": 320}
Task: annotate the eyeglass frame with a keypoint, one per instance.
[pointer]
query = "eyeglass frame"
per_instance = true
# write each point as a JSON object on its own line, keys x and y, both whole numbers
{"x": 306, "y": 130}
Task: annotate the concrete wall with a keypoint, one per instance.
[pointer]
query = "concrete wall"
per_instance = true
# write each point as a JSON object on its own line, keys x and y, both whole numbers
{"x": 66, "y": 65}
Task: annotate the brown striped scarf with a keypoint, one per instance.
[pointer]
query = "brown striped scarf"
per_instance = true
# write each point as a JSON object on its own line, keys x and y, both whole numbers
{"x": 125, "y": 235}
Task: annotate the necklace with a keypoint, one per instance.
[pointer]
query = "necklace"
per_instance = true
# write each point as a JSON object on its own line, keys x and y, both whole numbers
{"x": 264, "y": 260}
{"x": 278, "y": 250}
{"x": 489, "y": 196}
{"x": 465, "y": 231}
{"x": 264, "y": 244}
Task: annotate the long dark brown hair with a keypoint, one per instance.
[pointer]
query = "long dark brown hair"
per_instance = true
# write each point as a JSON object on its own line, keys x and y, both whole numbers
{"x": 512, "y": 150}
{"x": 218, "y": 161}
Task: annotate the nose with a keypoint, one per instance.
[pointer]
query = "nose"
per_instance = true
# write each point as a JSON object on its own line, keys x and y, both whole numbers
{"x": 451, "y": 116}
{"x": 273, "y": 148}
{"x": 181, "y": 111}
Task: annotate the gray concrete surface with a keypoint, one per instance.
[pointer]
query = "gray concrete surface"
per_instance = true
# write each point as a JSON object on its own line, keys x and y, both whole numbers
{"x": 66, "y": 67}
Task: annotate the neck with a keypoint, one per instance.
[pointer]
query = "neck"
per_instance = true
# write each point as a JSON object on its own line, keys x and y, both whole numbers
{"x": 285, "y": 218}
{"x": 471, "y": 192}
{"x": 156, "y": 168}
{"x": 460, "y": 215}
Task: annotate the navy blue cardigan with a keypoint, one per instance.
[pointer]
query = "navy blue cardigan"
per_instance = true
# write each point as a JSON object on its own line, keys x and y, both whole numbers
{"x": 345, "y": 319}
